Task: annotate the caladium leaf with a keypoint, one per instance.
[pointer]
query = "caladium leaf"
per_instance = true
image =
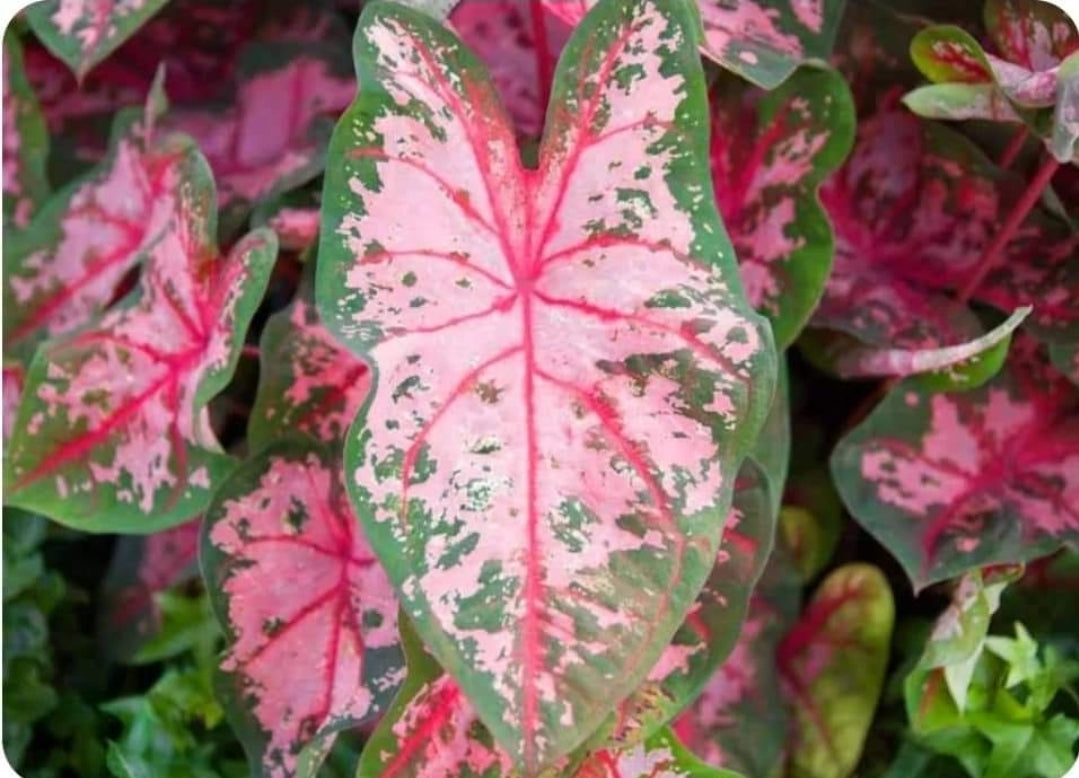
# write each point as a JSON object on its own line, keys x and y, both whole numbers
{"x": 549, "y": 355}
{"x": 661, "y": 756}
{"x": 772, "y": 451}
{"x": 832, "y": 667}
{"x": 113, "y": 432}
{"x": 739, "y": 721}
{"x": 296, "y": 227}
{"x": 761, "y": 40}
{"x": 1065, "y": 135}
{"x": 770, "y": 154}
{"x": 308, "y": 383}
{"x": 83, "y": 33}
{"x": 281, "y": 519}
{"x": 519, "y": 44}
{"x": 26, "y": 142}
{"x": 949, "y": 482}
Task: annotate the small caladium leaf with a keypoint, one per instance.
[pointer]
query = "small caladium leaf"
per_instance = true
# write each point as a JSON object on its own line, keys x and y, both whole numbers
{"x": 770, "y": 153}
{"x": 739, "y": 721}
{"x": 1066, "y": 359}
{"x": 113, "y": 431}
{"x": 1033, "y": 37}
{"x": 26, "y": 141}
{"x": 761, "y": 40}
{"x": 661, "y": 756}
{"x": 272, "y": 137}
{"x": 1063, "y": 143}
{"x": 960, "y": 102}
{"x": 141, "y": 568}
{"x": 949, "y": 482}
{"x": 308, "y": 383}
{"x": 832, "y": 667}
{"x": 600, "y": 425}
{"x": 304, "y": 661}
{"x": 519, "y": 44}
{"x": 83, "y": 33}
{"x": 711, "y": 629}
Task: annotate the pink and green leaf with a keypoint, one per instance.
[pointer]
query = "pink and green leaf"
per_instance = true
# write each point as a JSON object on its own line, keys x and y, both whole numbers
{"x": 571, "y": 359}
{"x": 770, "y": 153}
{"x": 950, "y": 482}
{"x": 26, "y": 142}
{"x": 763, "y": 41}
{"x": 84, "y": 32}
{"x": 661, "y": 756}
{"x": 1065, "y": 137}
{"x": 309, "y": 614}
{"x": 960, "y": 101}
{"x": 1033, "y": 34}
{"x": 113, "y": 431}
{"x": 832, "y": 665}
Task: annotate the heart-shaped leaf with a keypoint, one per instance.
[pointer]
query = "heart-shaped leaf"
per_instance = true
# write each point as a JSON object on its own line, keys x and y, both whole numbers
{"x": 310, "y": 616}
{"x": 770, "y": 153}
{"x": 761, "y": 40}
{"x": 949, "y": 482}
{"x": 83, "y": 32}
{"x": 832, "y": 667}
{"x": 113, "y": 432}
{"x": 26, "y": 142}
{"x": 563, "y": 351}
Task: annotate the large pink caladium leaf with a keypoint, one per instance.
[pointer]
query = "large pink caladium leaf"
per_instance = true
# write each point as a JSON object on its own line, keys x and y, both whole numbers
{"x": 519, "y": 44}
{"x": 562, "y": 352}
{"x": 113, "y": 431}
{"x": 26, "y": 142}
{"x": 309, "y": 615}
{"x": 949, "y": 482}
{"x": 739, "y": 721}
{"x": 761, "y": 40}
{"x": 770, "y": 153}
{"x": 70, "y": 262}
{"x": 272, "y": 137}
{"x": 84, "y": 32}
{"x": 832, "y": 666}
{"x": 917, "y": 189}
{"x": 308, "y": 382}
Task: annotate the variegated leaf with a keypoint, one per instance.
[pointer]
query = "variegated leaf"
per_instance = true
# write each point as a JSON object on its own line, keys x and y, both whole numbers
{"x": 84, "y": 32}
{"x": 761, "y": 40}
{"x": 308, "y": 383}
{"x": 770, "y": 153}
{"x": 310, "y": 615}
{"x": 69, "y": 263}
{"x": 949, "y": 482}
{"x": 661, "y": 756}
{"x": 1033, "y": 35}
{"x": 296, "y": 227}
{"x": 563, "y": 351}
{"x": 1065, "y": 137}
{"x": 832, "y": 667}
{"x": 26, "y": 142}
{"x": 113, "y": 431}
{"x": 519, "y": 43}
{"x": 740, "y": 721}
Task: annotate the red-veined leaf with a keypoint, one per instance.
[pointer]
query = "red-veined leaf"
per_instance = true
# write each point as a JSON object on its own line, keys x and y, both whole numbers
{"x": 141, "y": 568}
{"x": 273, "y": 136}
{"x": 661, "y": 756}
{"x": 949, "y": 482}
{"x": 1032, "y": 34}
{"x": 519, "y": 43}
{"x": 68, "y": 264}
{"x": 84, "y": 32}
{"x": 1063, "y": 142}
{"x": 308, "y": 383}
{"x": 770, "y": 153}
{"x": 310, "y": 616}
{"x": 551, "y": 356}
{"x": 831, "y": 666}
{"x": 26, "y": 142}
{"x": 113, "y": 431}
{"x": 760, "y": 40}
{"x": 739, "y": 721}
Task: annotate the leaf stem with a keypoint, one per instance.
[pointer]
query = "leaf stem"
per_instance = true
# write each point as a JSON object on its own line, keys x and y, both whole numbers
{"x": 1015, "y": 145}
{"x": 1019, "y": 212}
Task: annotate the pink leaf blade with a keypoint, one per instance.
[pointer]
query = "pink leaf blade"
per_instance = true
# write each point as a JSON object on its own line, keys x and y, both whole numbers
{"x": 661, "y": 756}
{"x": 626, "y": 489}
{"x": 284, "y": 517}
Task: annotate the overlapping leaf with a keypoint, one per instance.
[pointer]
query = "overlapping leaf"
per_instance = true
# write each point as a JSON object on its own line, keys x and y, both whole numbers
{"x": 661, "y": 756}
{"x": 113, "y": 431}
{"x": 83, "y": 32}
{"x": 760, "y": 40}
{"x": 770, "y": 154}
{"x": 949, "y": 482}
{"x": 310, "y": 616}
{"x": 832, "y": 667}
{"x": 550, "y": 356}
{"x": 26, "y": 143}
